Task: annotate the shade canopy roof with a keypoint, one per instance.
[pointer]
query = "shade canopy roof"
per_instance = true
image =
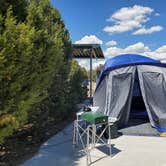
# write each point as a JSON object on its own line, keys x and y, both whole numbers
{"x": 87, "y": 51}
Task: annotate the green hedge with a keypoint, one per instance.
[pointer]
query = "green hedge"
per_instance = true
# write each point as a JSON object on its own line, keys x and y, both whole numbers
{"x": 38, "y": 80}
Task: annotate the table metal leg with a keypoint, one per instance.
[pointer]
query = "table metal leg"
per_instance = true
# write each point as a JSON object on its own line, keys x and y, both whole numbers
{"x": 93, "y": 135}
{"x": 109, "y": 139}
{"x": 87, "y": 147}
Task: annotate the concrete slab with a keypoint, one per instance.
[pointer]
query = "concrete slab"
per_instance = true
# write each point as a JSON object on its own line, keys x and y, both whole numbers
{"x": 127, "y": 151}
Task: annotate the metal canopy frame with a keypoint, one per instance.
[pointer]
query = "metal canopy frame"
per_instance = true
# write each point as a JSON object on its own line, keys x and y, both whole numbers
{"x": 88, "y": 51}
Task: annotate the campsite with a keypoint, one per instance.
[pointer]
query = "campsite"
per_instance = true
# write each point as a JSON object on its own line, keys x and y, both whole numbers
{"x": 82, "y": 83}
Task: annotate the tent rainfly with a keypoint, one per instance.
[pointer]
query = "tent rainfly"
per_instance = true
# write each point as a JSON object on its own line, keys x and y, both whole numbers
{"x": 116, "y": 84}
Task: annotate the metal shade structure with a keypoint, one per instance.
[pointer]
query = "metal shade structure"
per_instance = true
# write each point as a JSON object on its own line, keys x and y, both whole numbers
{"x": 88, "y": 51}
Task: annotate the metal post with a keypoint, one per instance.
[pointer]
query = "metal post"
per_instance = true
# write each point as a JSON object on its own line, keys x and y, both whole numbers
{"x": 90, "y": 74}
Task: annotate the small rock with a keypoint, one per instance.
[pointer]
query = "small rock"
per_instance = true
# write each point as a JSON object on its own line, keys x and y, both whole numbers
{"x": 47, "y": 133}
{"x": 2, "y": 153}
{"x": 29, "y": 138}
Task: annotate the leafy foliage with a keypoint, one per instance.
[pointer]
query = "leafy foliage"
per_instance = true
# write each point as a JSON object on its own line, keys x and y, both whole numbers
{"x": 98, "y": 70}
{"x": 37, "y": 77}
{"x": 18, "y": 6}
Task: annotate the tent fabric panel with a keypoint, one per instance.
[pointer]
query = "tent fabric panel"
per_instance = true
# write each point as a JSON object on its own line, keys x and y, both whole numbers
{"x": 119, "y": 93}
{"x": 99, "y": 97}
{"x": 153, "y": 88}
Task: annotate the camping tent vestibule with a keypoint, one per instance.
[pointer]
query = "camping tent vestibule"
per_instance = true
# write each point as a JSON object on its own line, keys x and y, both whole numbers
{"x": 115, "y": 86}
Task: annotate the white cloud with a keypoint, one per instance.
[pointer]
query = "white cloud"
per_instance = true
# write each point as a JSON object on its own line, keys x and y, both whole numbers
{"x": 111, "y": 43}
{"x": 157, "y": 14}
{"x": 138, "y": 48}
{"x": 148, "y": 30}
{"x": 161, "y": 49}
{"x": 113, "y": 51}
{"x": 89, "y": 39}
{"x": 160, "y": 53}
{"x": 136, "y": 12}
{"x": 128, "y": 19}
{"x": 85, "y": 63}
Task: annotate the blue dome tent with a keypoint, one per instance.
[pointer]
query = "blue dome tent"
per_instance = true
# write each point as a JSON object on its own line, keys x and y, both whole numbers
{"x": 117, "y": 82}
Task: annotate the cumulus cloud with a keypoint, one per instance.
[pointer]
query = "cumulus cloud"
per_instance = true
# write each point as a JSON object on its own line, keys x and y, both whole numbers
{"x": 135, "y": 48}
{"x": 157, "y": 14}
{"x": 148, "y": 30}
{"x": 136, "y": 12}
{"x": 160, "y": 53}
{"x": 111, "y": 43}
{"x": 89, "y": 39}
{"x": 85, "y": 63}
{"x": 128, "y": 19}
{"x": 138, "y": 48}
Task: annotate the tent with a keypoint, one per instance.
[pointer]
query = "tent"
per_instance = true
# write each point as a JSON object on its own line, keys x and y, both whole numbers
{"x": 118, "y": 82}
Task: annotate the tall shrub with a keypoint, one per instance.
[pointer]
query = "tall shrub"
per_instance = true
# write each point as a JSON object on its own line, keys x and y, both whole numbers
{"x": 38, "y": 80}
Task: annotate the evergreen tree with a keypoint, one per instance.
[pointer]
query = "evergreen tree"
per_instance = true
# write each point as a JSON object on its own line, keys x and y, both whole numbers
{"x": 18, "y": 7}
{"x": 38, "y": 80}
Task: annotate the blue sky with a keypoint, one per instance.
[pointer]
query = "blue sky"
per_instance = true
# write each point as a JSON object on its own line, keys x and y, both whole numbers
{"x": 120, "y": 26}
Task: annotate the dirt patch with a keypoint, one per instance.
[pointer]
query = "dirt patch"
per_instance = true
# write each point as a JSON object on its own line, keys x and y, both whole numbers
{"x": 26, "y": 142}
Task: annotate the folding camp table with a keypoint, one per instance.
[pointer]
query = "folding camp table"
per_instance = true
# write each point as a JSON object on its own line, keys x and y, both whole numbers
{"x": 85, "y": 132}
